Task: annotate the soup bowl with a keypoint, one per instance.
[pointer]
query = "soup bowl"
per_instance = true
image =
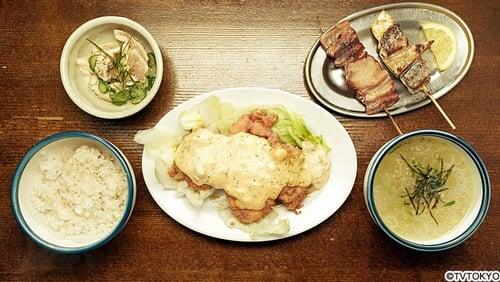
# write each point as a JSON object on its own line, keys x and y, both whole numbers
{"x": 466, "y": 226}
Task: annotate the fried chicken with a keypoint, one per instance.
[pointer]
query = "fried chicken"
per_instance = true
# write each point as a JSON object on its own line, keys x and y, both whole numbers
{"x": 178, "y": 175}
{"x": 249, "y": 216}
{"x": 292, "y": 197}
{"x": 258, "y": 123}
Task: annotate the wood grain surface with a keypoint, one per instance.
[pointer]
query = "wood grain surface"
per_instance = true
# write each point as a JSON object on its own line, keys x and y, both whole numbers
{"x": 208, "y": 45}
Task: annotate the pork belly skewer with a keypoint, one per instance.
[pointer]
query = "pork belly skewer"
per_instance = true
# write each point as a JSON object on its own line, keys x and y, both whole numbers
{"x": 370, "y": 81}
{"x": 402, "y": 59}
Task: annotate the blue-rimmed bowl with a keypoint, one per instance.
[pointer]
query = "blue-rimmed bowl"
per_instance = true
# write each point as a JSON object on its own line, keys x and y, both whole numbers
{"x": 468, "y": 225}
{"x": 28, "y": 174}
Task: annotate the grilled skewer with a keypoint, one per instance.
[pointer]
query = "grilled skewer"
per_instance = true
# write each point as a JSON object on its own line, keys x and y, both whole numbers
{"x": 402, "y": 59}
{"x": 371, "y": 82}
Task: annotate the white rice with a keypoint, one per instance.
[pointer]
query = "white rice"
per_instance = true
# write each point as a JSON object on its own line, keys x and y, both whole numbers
{"x": 82, "y": 192}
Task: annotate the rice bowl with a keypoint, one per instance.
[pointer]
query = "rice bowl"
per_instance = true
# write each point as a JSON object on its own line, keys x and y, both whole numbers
{"x": 56, "y": 232}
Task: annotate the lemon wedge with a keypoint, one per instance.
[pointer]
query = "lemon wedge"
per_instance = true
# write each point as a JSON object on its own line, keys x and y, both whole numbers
{"x": 444, "y": 47}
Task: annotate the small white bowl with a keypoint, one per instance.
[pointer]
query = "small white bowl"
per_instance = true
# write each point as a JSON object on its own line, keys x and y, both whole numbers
{"x": 28, "y": 174}
{"x": 77, "y": 46}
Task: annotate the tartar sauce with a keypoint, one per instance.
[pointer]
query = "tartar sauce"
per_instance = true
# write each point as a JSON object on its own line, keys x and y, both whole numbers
{"x": 247, "y": 167}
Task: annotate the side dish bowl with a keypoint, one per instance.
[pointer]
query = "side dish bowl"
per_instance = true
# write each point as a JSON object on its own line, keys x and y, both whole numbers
{"x": 28, "y": 174}
{"x": 466, "y": 226}
{"x": 77, "y": 46}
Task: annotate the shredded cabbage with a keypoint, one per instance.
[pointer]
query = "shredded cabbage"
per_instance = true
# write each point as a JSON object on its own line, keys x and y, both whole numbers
{"x": 292, "y": 129}
{"x": 157, "y": 140}
{"x": 217, "y": 116}
{"x": 191, "y": 120}
{"x": 195, "y": 198}
{"x": 270, "y": 225}
{"x": 161, "y": 172}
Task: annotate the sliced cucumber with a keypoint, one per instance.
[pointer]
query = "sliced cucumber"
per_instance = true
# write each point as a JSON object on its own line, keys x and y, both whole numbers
{"x": 92, "y": 62}
{"x": 150, "y": 81}
{"x": 151, "y": 60}
{"x": 103, "y": 86}
{"x": 145, "y": 84}
{"x": 137, "y": 95}
{"x": 121, "y": 97}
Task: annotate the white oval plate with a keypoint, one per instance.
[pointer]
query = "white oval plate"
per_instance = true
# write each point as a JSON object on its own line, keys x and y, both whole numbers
{"x": 318, "y": 206}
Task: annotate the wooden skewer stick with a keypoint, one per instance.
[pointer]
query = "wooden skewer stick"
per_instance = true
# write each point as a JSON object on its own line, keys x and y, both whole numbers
{"x": 443, "y": 113}
{"x": 393, "y": 121}
{"x": 319, "y": 25}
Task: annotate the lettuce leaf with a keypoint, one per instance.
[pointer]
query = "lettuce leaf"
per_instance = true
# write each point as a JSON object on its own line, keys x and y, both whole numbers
{"x": 157, "y": 141}
{"x": 292, "y": 129}
{"x": 191, "y": 120}
{"x": 195, "y": 198}
{"x": 217, "y": 116}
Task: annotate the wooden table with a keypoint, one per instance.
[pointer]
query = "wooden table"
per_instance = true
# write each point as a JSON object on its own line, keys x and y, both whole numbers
{"x": 209, "y": 45}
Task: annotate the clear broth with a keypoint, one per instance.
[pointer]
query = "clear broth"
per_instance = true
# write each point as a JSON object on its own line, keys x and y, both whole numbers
{"x": 393, "y": 176}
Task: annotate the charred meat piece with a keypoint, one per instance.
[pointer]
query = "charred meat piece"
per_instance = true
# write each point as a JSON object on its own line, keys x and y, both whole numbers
{"x": 382, "y": 97}
{"x": 389, "y": 35}
{"x": 401, "y": 60}
{"x": 350, "y": 54}
{"x": 249, "y": 216}
{"x": 393, "y": 40}
{"x": 417, "y": 76}
{"x": 381, "y": 24}
{"x": 406, "y": 63}
{"x": 292, "y": 197}
{"x": 341, "y": 43}
{"x": 372, "y": 84}
{"x": 365, "y": 73}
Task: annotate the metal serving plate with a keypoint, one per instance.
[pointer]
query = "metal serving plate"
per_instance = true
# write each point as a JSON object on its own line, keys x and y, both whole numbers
{"x": 328, "y": 84}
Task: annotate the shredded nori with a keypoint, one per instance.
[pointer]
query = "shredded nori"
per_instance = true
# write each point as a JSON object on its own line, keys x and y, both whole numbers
{"x": 429, "y": 183}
